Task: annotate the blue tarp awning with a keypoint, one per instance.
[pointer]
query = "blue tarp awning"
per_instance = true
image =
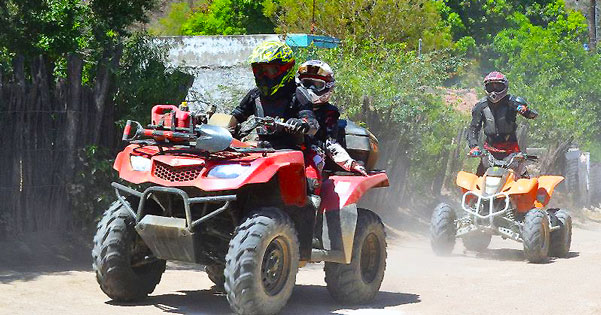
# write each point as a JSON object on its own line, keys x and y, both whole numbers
{"x": 305, "y": 40}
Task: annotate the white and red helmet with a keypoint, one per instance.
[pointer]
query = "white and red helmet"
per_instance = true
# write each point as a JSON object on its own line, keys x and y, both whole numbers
{"x": 317, "y": 79}
{"x": 496, "y": 86}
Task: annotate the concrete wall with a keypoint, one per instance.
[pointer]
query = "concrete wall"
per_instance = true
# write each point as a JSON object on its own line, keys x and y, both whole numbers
{"x": 218, "y": 63}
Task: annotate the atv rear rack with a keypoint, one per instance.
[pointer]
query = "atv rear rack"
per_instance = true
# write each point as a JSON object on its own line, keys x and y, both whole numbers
{"x": 185, "y": 198}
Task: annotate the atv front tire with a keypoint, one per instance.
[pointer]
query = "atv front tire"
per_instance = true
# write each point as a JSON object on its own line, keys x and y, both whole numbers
{"x": 561, "y": 239}
{"x": 443, "y": 230}
{"x": 262, "y": 262}
{"x": 476, "y": 241}
{"x": 536, "y": 236}
{"x": 123, "y": 264}
{"x": 359, "y": 281}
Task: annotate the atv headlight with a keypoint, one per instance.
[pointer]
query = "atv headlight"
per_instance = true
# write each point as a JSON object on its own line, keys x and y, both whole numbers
{"x": 227, "y": 170}
{"x": 140, "y": 163}
{"x": 492, "y": 184}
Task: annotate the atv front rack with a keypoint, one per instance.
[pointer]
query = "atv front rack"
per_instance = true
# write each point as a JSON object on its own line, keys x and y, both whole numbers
{"x": 143, "y": 196}
{"x": 491, "y": 205}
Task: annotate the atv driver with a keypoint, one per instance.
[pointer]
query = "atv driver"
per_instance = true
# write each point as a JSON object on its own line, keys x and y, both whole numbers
{"x": 497, "y": 112}
{"x": 316, "y": 85}
{"x": 272, "y": 63}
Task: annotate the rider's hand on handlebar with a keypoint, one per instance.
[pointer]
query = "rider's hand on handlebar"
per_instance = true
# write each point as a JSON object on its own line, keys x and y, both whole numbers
{"x": 475, "y": 152}
{"x": 296, "y": 126}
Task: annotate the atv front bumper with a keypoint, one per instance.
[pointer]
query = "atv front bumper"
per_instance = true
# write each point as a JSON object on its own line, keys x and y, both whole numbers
{"x": 474, "y": 211}
{"x": 484, "y": 222}
{"x": 168, "y": 237}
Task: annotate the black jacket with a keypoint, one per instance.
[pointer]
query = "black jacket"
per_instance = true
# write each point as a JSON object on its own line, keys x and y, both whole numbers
{"x": 498, "y": 120}
{"x": 283, "y": 105}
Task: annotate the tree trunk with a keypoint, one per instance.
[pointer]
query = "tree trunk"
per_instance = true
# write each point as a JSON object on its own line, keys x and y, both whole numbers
{"x": 592, "y": 24}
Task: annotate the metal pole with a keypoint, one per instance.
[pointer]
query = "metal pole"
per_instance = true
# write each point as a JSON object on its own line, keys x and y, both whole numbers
{"x": 313, "y": 19}
{"x": 419, "y": 48}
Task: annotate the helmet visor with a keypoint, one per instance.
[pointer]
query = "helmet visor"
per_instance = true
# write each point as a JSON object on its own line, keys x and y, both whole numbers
{"x": 316, "y": 85}
{"x": 495, "y": 87}
{"x": 270, "y": 70}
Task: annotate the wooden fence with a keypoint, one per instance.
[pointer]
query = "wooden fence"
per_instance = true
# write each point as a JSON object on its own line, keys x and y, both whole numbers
{"x": 45, "y": 122}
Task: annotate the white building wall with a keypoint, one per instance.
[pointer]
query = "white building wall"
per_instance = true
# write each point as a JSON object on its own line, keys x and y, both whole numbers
{"x": 218, "y": 63}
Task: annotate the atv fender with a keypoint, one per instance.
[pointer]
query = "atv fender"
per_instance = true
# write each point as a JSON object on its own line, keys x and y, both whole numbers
{"x": 340, "y": 191}
{"x": 339, "y": 197}
{"x": 466, "y": 180}
{"x": 524, "y": 192}
{"x": 546, "y": 187}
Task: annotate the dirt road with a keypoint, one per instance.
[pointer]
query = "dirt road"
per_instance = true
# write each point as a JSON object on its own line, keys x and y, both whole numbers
{"x": 498, "y": 281}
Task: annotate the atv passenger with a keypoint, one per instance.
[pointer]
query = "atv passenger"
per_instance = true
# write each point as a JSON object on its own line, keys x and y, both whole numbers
{"x": 316, "y": 85}
{"x": 497, "y": 112}
{"x": 273, "y": 68}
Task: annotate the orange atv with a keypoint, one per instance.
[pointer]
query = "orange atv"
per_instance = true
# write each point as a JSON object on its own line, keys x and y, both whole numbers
{"x": 504, "y": 203}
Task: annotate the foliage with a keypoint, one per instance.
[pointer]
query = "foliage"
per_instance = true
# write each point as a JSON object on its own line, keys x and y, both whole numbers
{"x": 549, "y": 67}
{"x": 172, "y": 22}
{"x": 484, "y": 19}
{"x": 90, "y": 190}
{"x": 57, "y": 27}
{"x": 405, "y": 107}
{"x": 143, "y": 80}
{"x": 228, "y": 17}
{"x": 388, "y": 21}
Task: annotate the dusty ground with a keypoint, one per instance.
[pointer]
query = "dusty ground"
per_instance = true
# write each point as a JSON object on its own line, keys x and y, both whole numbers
{"x": 498, "y": 281}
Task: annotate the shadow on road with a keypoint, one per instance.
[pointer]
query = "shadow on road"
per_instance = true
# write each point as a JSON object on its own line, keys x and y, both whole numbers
{"x": 306, "y": 299}
{"x": 511, "y": 254}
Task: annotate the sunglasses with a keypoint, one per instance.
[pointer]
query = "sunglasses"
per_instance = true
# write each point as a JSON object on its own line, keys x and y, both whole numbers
{"x": 495, "y": 87}
{"x": 314, "y": 84}
{"x": 270, "y": 71}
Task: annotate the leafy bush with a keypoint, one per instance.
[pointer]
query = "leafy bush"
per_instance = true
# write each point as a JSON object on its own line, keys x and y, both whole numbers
{"x": 550, "y": 68}
{"x": 228, "y": 17}
{"x": 387, "y": 21}
{"x": 396, "y": 95}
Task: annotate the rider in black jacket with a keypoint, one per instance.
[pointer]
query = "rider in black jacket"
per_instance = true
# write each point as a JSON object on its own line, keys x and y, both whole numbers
{"x": 497, "y": 114}
{"x": 273, "y": 68}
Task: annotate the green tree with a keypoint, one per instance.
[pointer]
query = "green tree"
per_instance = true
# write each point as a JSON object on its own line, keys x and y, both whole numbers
{"x": 228, "y": 17}
{"x": 389, "y": 21}
{"x": 172, "y": 22}
{"x": 549, "y": 66}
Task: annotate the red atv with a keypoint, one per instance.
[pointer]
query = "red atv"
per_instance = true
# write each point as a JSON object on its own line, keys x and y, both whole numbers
{"x": 240, "y": 210}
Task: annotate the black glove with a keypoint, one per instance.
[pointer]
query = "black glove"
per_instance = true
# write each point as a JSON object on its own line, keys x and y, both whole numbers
{"x": 296, "y": 126}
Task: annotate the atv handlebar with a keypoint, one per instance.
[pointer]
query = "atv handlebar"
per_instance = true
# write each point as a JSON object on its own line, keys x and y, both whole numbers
{"x": 272, "y": 125}
{"x": 508, "y": 160}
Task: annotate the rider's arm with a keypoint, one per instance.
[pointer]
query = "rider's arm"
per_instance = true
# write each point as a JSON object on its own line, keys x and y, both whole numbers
{"x": 475, "y": 126}
{"x": 521, "y": 106}
{"x": 246, "y": 107}
{"x": 305, "y": 113}
{"x": 330, "y": 123}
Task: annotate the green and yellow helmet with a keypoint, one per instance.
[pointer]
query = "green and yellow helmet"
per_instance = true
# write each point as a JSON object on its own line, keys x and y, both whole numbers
{"x": 273, "y": 66}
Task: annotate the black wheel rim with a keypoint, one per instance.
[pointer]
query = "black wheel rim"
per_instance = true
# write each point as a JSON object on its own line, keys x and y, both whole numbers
{"x": 275, "y": 266}
{"x": 370, "y": 258}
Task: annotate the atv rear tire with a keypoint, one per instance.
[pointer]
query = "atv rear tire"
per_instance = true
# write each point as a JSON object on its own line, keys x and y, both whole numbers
{"x": 561, "y": 239}
{"x": 477, "y": 241}
{"x": 536, "y": 236}
{"x": 443, "y": 230}
{"x": 116, "y": 245}
{"x": 359, "y": 281}
{"x": 262, "y": 262}
{"x": 215, "y": 273}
